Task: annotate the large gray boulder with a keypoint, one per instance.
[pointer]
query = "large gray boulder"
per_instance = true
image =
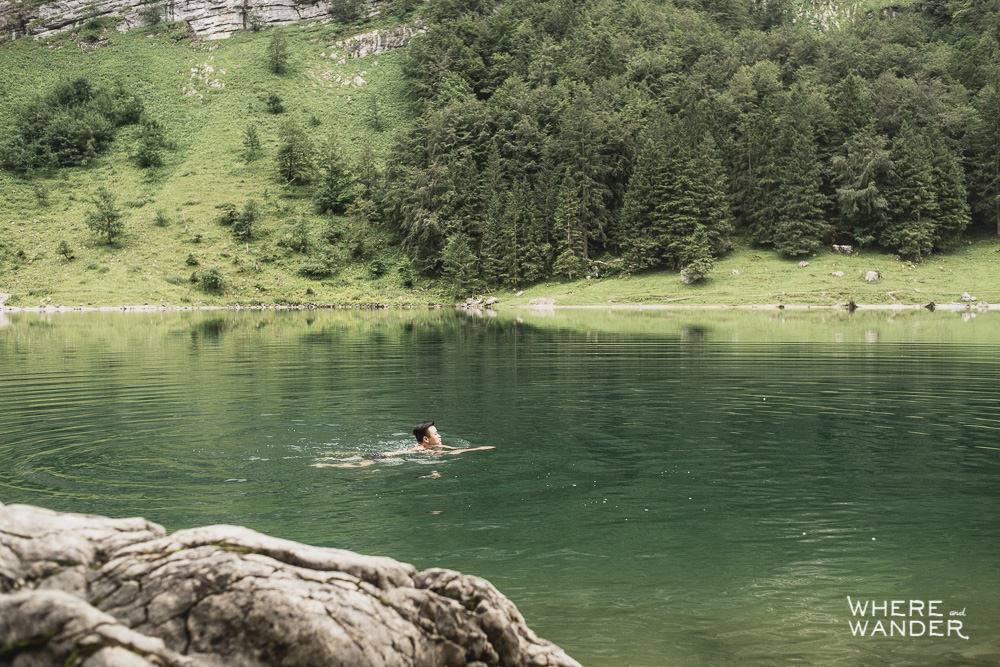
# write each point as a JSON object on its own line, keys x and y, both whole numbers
{"x": 88, "y": 590}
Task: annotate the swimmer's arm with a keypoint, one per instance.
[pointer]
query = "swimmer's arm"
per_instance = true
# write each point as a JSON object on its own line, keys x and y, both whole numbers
{"x": 469, "y": 449}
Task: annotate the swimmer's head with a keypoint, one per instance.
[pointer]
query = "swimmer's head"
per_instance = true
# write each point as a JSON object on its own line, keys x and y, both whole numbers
{"x": 426, "y": 434}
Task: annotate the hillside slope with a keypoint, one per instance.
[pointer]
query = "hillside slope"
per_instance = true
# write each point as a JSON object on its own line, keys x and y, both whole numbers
{"x": 205, "y": 95}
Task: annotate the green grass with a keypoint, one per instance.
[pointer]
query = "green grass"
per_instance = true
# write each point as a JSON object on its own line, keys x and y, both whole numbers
{"x": 764, "y": 277}
{"x": 206, "y": 168}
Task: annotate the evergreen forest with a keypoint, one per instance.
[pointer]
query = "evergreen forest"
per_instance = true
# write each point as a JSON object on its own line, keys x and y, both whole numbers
{"x": 570, "y": 138}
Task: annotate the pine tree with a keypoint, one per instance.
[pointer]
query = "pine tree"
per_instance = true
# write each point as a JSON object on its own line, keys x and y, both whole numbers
{"x": 985, "y": 167}
{"x": 251, "y": 143}
{"x": 639, "y": 224}
{"x": 277, "y": 53}
{"x": 458, "y": 264}
{"x": 672, "y": 194}
{"x": 713, "y": 196}
{"x": 800, "y": 202}
{"x": 698, "y": 260}
{"x": 295, "y": 154}
{"x": 862, "y": 177}
{"x": 336, "y": 183}
{"x": 569, "y": 226}
{"x": 952, "y": 197}
{"x": 536, "y": 250}
{"x": 106, "y": 218}
{"x": 912, "y": 199}
{"x": 852, "y": 107}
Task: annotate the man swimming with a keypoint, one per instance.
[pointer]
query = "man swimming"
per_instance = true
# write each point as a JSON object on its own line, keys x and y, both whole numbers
{"x": 428, "y": 442}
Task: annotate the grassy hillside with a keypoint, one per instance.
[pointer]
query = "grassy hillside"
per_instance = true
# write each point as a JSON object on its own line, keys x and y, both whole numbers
{"x": 755, "y": 276}
{"x": 205, "y": 94}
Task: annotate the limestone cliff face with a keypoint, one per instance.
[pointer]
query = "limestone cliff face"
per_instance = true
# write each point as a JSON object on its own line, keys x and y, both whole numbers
{"x": 88, "y": 591}
{"x": 209, "y": 19}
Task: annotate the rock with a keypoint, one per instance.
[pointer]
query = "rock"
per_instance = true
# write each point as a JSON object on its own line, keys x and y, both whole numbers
{"x": 931, "y": 306}
{"x": 803, "y": 264}
{"x": 519, "y": 292}
{"x": 872, "y": 276}
{"x": 967, "y": 298}
{"x": 208, "y": 19}
{"x": 541, "y": 301}
{"x": 736, "y": 272}
{"x": 843, "y": 249}
{"x": 380, "y": 41}
{"x": 123, "y": 592}
{"x": 490, "y": 301}
{"x": 686, "y": 278}
{"x": 838, "y": 274}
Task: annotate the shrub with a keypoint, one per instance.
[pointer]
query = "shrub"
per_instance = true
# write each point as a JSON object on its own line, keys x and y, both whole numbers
{"x": 277, "y": 53}
{"x": 274, "y": 104}
{"x": 191, "y": 260}
{"x": 151, "y": 14}
{"x": 105, "y": 219}
{"x": 211, "y": 280}
{"x": 254, "y": 19}
{"x": 65, "y": 250}
{"x": 251, "y": 143}
{"x": 41, "y": 194}
{"x": 405, "y": 272}
{"x": 152, "y": 141}
{"x": 228, "y": 215}
{"x": 161, "y": 219}
{"x": 68, "y": 125}
{"x": 346, "y": 11}
{"x": 376, "y": 268}
{"x": 243, "y": 225}
{"x": 296, "y": 237}
{"x": 315, "y": 270}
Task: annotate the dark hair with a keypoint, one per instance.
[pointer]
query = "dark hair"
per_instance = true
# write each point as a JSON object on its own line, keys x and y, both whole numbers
{"x": 420, "y": 430}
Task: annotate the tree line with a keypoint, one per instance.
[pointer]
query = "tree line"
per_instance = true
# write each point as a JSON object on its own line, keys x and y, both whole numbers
{"x": 554, "y": 137}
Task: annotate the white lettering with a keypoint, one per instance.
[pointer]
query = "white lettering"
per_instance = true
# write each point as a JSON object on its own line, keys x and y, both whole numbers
{"x": 896, "y": 604}
{"x": 916, "y": 607}
{"x": 935, "y": 625}
{"x": 884, "y": 607}
{"x": 957, "y": 627}
{"x": 857, "y": 628}
{"x": 932, "y": 605}
{"x": 857, "y": 608}
{"x": 878, "y": 628}
{"x": 895, "y": 628}
{"x": 914, "y": 624}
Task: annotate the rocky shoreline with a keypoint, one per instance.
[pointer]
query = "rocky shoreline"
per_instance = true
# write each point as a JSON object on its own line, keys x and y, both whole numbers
{"x": 146, "y": 308}
{"x": 87, "y": 590}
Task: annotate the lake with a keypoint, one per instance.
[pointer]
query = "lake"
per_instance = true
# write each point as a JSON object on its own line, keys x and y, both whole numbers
{"x": 681, "y": 487}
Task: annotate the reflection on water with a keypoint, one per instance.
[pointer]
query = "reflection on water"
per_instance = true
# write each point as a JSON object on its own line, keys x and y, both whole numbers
{"x": 692, "y": 488}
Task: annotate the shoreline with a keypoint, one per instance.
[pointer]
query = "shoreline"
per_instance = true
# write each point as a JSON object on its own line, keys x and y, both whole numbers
{"x": 162, "y": 308}
{"x": 951, "y": 307}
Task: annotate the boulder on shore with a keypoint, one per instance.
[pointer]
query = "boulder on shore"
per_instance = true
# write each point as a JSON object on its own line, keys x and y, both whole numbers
{"x": 78, "y": 589}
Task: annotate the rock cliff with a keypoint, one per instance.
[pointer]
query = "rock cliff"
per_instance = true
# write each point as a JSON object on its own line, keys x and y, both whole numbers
{"x": 209, "y": 19}
{"x": 87, "y": 590}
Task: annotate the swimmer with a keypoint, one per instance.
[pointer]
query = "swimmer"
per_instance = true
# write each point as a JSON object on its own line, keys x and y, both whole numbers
{"x": 429, "y": 442}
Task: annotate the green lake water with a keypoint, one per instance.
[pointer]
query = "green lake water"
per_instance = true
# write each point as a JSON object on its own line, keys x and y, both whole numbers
{"x": 670, "y": 487}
